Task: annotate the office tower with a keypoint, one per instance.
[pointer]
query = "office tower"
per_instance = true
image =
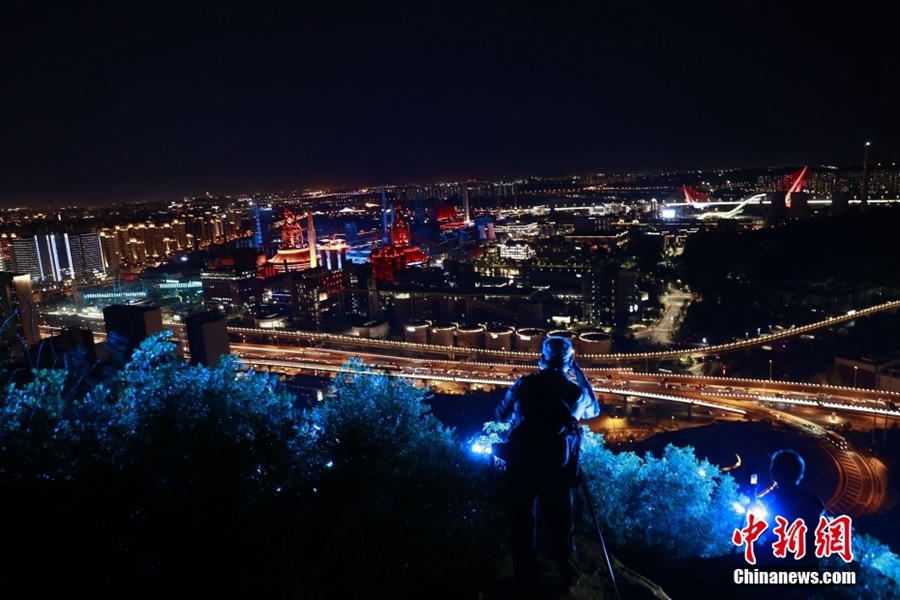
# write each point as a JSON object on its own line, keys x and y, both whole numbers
{"x": 59, "y": 256}
{"x": 232, "y": 288}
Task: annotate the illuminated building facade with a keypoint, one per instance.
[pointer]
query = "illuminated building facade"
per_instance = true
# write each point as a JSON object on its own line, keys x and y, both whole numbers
{"x": 231, "y": 289}
{"x": 315, "y": 297}
{"x": 397, "y": 254}
{"x": 57, "y": 257}
{"x": 17, "y": 312}
{"x": 515, "y": 250}
{"x": 298, "y": 245}
{"x": 6, "y": 253}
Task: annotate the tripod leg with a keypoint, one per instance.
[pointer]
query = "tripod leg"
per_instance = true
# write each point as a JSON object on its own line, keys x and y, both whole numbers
{"x": 587, "y": 498}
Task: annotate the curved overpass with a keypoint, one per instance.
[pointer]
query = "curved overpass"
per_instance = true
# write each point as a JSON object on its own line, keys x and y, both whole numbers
{"x": 290, "y": 337}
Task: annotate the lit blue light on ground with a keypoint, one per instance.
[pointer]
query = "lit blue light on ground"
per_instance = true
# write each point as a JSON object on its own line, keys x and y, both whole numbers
{"x": 479, "y": 448}
{"x": 481, "y": 445}
{"x": 759, "y": 511}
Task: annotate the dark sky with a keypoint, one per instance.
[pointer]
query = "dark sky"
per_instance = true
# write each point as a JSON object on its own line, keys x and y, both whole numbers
{"x": 109, "y": 102}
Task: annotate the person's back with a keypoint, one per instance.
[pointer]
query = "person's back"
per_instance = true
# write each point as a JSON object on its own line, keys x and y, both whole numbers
{"x": 545, "y": 403}
{"x": 542, "y": 459}
{"x": 791, "y": 502}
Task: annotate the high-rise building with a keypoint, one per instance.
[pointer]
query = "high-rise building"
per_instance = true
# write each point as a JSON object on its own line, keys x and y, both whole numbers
{"x": 207, "y": 336}
{"x": 612, "y": 297}
{"x": 132, "y": 322}
{"x": 87, "y": 255}
{"x": 231, "y": 289}
{"x": 112, "y": 250}
{"x": 315, "y": 295}
{"x": 6, "y": 261}
{"x": 27, "y": 258}
{"x": 59, "y": 256}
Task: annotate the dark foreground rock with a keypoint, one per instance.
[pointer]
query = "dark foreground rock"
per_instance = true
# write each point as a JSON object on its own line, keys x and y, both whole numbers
{"x": 594, "y": 584}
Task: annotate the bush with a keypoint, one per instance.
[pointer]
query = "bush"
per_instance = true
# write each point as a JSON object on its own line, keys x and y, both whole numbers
{"x": 399, "y": 508}
{"x": 209, "y": 479}
{"x": 673, "y": 506}
{"x": 877, "y": 571}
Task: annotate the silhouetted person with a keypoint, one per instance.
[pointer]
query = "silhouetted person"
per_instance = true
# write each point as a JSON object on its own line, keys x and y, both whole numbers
{"x": 792, "y": 502}
{"x": 542, "y": 458}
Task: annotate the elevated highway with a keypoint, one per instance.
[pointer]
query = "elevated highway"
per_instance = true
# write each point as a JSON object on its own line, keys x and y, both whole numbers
{"x": 427, "y": 351}
{"x": 862, "y": 483}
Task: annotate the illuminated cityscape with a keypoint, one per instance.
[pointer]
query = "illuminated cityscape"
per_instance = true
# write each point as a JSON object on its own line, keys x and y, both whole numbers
{"x": 455, "y": 286}
{"x": 415, "y": 195}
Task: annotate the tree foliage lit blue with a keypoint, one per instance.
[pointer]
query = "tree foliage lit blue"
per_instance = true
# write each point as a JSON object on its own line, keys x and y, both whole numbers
{"x": 212, "y": 479}
{"x": 164, "y": 476}
{"x": 674, "y": 505}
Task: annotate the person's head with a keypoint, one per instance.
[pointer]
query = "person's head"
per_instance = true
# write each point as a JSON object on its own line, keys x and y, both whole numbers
{"x": 556, "y": 353}
{"x": 787, "y": 467}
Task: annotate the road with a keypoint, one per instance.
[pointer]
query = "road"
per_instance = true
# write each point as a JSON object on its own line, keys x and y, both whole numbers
{"x": 430, "y": 351}
{"x": 675, "y": 303}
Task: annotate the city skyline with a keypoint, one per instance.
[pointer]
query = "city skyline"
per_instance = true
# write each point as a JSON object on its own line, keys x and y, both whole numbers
{"x": 129, "y": 104}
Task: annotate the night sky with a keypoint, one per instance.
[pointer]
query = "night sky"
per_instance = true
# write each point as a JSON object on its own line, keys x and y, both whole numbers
{"x": 102, "y": 103}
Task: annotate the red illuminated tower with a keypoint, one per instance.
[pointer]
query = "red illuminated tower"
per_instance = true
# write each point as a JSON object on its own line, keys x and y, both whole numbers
{"x": 398, "y": 254}
{"x": 297, "y": 251}
{"x": 291, "y": 231}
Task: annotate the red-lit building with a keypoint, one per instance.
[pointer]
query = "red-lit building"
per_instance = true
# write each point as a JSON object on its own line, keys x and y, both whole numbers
{"x": 298, "y": 251}
{"x": 396, "y": 255}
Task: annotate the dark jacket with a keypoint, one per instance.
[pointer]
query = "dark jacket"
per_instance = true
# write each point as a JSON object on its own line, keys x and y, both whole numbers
{"x": 544, "y": 409}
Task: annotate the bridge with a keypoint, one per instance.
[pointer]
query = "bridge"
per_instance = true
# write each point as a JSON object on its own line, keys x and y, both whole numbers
{"x": 789, "y": 185}
{"x": 298, "y": 338}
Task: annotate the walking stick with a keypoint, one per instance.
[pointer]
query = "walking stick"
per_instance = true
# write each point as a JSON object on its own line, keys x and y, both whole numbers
{"x": 587, "y": 498}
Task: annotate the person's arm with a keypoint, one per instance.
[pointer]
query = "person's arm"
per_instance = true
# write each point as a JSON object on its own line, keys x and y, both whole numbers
{"x": 588, "y": 406}
{"x": 504, "y": 410}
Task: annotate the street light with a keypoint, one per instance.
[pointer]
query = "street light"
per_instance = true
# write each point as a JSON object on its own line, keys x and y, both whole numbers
{"x": 855, "y": 373}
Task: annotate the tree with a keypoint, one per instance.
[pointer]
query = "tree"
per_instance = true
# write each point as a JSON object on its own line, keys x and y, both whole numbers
{"x": 209, "y": 479}
{"x": 877, "y": 571}
{"x": 674, "y": 506}
{"x": 162, "y": 473}
{"x": 47, "y": 433}
{"x": 398, "y": 502}
{"x": 202, "y": 453}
